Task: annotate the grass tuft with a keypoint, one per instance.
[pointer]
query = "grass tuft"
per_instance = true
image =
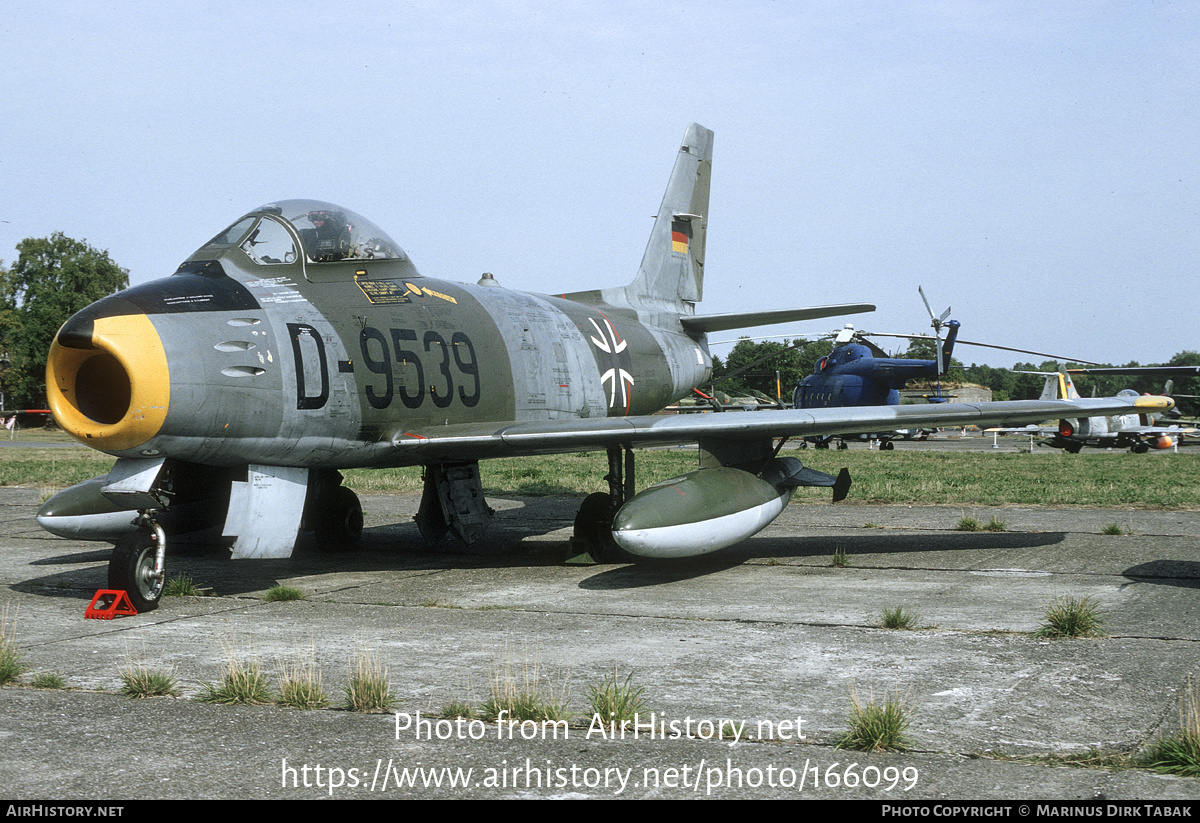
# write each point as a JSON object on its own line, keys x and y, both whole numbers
{"x": 898, "y": 618}
{"x": 456, "y": 709}
{"x": 280, "y": 593}
{"x": 180, "y": 586}
{"x": 368, "y": 689}
{"x": 522, "y": 695}
{"x": 877, "y": 726}
{"x": 300, "y": 684}
{"x": 967, "y": 524}
{"x": 138, "y": 681}
{"x": 10, "y": 652}
{"x": 1180, "y": 753}
{"x": 48, "y": 680}
{"x": 242, "y": 683}
{"x": 995, "y": 525}
{"x": 1072, "y": 617}
{"x": 840, "y": 560}
{"x": 617, "y": 701}
{"x": 1112, "y": 528}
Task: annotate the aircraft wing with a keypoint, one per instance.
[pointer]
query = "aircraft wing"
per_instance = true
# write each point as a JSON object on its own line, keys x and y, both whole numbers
{"x": 1160, "y": 371}
{"x": 479, "y": 441}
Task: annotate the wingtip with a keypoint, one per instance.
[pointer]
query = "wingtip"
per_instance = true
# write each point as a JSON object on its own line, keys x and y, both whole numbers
{"x": 1154, "y": 403}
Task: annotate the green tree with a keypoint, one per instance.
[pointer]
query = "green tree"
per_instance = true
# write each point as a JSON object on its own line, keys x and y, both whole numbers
{"x": 757, "y": 364}
{"x": 52, "y": 279}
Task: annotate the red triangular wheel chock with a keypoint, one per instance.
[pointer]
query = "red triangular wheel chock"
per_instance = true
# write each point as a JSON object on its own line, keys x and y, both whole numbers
{"x": 108, "y": 603}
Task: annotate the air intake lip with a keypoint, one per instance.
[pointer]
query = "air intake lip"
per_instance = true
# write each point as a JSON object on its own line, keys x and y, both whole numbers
{"x": 107, "y": 380}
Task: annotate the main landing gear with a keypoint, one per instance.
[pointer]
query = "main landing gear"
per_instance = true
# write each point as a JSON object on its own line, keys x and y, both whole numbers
{"x": 337, "y": 519}
{"x": 593, "y": 523}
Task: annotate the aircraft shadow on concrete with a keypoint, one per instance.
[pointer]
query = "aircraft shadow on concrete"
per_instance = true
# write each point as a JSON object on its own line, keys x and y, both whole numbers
{"x": 854, "y": 544}
{"x": 1180, "y": 573}
{"x": 513, "y": 542}
{"x": 862, "y": 542}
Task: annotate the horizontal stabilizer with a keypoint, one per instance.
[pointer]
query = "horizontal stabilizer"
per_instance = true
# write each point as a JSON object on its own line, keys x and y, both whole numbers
{"x": 744, "y": 320}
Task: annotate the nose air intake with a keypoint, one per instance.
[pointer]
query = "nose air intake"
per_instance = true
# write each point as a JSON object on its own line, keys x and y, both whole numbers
{"x": 107, "y": 380}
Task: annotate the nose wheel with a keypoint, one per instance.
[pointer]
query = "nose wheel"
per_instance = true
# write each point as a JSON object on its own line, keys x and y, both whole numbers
{"x": 136, "y": 567}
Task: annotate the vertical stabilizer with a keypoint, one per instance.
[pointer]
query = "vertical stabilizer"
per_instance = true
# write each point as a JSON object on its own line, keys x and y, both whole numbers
{"x": 1059, "y": 386}
{"x": 1068, "y": 386}
{"x": 672, "y": 270}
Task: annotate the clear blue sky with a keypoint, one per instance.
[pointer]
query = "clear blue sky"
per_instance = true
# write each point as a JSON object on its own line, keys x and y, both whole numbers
{"x": 1033, "y": 164}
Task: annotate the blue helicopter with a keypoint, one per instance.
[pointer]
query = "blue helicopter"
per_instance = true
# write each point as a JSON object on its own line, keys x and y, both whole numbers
{"x": 859, "y": 373}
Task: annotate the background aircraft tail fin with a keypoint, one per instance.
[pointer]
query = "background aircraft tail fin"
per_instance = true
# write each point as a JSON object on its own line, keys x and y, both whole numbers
{"x": 1058, "y": 386}
{"x": 672, "y": 270}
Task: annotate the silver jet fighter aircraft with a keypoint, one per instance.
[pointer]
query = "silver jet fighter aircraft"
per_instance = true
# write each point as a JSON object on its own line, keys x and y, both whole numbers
{"x": 302, "y": 340}
{"x": 1136, "y": 431}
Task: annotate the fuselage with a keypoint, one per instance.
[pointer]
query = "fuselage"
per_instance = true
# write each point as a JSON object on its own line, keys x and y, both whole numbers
{"x": 281, "y": 344}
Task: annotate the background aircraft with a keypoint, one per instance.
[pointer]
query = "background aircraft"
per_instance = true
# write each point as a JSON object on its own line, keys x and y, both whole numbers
{"x": 1136, "y": 431}
{"x": 302, "y": 340}
{"x": 859, "y": 373}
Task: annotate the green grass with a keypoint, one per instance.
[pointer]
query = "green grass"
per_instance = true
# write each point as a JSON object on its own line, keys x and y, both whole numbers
{"x": 10, "y": 653}
{"x": 1179, "y": 753}
{"x": 138, "y": 681}
{"x": 48, "y": 680}
{"x": 180, "y": 586}
{"x": 954, "y": 478}
{"x": 967, "y": 524}
{"x": 368, "y": 689}
{"x": 279, "y": 593}
{"x": 935, "y": 477}
{"x": 840, "y": 560}
{"x": 1072, "y": 617}
{"x": 1112, "y": 528}
{"x": 617, "y": 701}
{"x": 898, "y": 618}
{"x": 994, "y": 525}
{"x": 241, "y": 684}
{"x": 51, "y": 467}
{"x": 877, "y": 726}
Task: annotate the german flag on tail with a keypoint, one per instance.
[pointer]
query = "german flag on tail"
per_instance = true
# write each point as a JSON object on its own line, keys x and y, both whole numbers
{"x": 681, "y": 235}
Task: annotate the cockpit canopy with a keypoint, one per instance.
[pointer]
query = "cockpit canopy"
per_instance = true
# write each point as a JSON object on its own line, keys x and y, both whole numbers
{"x": 326, "y": 233}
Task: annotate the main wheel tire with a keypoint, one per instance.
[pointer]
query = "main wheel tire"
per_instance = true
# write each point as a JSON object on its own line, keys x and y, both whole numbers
{"x": 340, "y": 521}
{"x": 131, "y": 569}
{"x": 593, "y": 525}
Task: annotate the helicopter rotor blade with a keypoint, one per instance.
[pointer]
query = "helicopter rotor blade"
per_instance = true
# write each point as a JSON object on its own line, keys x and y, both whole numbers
{"x": 937, "y": 323}
{"x": 960, "y": 341}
